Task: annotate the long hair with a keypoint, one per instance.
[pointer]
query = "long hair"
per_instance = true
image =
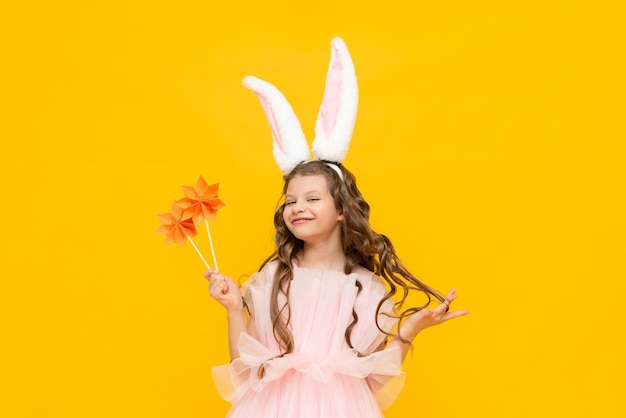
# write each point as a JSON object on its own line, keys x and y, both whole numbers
{"x": 361, "y": 244}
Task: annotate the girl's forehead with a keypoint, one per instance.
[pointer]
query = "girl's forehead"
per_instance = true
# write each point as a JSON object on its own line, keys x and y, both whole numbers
{"x": 303, "y": 184}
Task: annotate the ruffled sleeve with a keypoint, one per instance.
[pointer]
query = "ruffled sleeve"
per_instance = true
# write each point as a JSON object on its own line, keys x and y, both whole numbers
{"x": 232, "y": 380}
{"x": 387, "y": 382}
{"x": 260, "y": 279}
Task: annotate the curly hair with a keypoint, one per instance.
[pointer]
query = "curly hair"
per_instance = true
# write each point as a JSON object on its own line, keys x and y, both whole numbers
{"x": 361, "y": 244}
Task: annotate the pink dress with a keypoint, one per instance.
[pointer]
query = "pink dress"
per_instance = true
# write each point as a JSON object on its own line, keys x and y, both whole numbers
{"x": 323, "y": 377}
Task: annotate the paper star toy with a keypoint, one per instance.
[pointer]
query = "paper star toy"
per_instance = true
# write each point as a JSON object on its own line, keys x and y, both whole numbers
{"x": 201, "y": 202}
{"x": 176, "y": 226}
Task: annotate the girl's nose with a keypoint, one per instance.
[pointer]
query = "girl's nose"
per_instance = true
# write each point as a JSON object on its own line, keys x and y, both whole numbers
{"x": 297, "y": 207}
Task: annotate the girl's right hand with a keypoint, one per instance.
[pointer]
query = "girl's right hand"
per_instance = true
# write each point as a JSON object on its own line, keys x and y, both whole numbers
{"x": 224, "y": 290}
{"x": 429, "y": 317}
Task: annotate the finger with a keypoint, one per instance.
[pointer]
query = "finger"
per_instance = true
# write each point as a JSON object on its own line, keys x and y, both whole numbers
{"x": 449, "y": 299}
{"x": 212, "y": 289}
{"x": 220, "y": 295}
{"x": 209, "y": 273}
{"x": 216, "y": 282}
{"x": 218, "y": 290}
{"x": 443, "y": 307}
{"x": 455, "y": 314}
{"x": 451, "y": 295}
{"x": 217, "y": 278}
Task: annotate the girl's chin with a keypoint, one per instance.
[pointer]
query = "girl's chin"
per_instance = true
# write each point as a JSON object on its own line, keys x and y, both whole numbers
{"x": 300, "y": 236}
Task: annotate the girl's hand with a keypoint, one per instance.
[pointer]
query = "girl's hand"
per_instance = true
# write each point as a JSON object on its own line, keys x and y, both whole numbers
{"x": 224, "y": 290}
{"x": 430, "y": 317}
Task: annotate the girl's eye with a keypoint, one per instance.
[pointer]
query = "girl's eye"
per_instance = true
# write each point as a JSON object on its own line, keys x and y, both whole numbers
{"x": 293, "y": 202}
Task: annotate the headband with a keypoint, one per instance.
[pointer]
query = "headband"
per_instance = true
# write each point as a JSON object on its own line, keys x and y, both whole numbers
{"x": 335, "y": 120}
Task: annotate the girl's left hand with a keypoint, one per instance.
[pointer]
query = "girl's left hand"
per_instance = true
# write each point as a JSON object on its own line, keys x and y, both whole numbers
{"x": 430, "y": 317}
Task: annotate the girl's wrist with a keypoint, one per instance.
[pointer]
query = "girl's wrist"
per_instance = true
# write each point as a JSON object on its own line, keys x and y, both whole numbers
{"x": 236, "y": 312}
{"x": 409, "y": 334}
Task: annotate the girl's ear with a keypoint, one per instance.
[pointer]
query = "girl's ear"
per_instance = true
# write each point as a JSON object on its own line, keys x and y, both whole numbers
{"x": 340, "y": 215}
{"x": 337, "y": 114}
{"x": 290, "y": 146}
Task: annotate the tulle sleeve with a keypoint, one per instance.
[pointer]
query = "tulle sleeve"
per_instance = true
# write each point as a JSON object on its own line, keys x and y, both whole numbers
{"x": 233, "y": 380}
{"x": 385, "y": 382}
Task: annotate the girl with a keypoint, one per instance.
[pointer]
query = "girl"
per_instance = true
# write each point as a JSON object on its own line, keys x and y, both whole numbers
{"x": 316, "y": 332}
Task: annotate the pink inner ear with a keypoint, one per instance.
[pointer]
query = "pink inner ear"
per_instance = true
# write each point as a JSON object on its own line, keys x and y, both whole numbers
{"x": 332, "y": 95}
{"x": 271, "y": 118}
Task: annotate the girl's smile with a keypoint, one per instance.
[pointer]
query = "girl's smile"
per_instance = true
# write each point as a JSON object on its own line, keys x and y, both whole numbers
{"x": 298, "y": 221}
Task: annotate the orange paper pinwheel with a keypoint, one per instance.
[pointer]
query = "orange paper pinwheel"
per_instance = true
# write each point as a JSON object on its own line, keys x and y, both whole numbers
{"x": 176, "y": 226}
{"x": 201, "y": 202}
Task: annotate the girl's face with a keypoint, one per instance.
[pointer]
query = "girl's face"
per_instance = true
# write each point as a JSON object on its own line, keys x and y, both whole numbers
{"x": 310, "y": 213}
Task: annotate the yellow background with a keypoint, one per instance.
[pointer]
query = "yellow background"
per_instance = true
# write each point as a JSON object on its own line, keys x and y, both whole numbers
{"x": 489, "y": 142}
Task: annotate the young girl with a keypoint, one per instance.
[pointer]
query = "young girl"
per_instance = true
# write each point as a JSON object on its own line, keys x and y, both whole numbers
{"x": 316, "y": 332}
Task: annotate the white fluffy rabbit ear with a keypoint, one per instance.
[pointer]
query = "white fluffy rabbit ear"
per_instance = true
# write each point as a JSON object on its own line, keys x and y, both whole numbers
{"x": 290, "y": 145}
{"x": 335, "y": 121}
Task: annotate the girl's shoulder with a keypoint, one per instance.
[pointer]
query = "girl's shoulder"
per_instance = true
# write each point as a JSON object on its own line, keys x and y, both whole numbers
{"x": 368, "y": 279}
{"x": 261, "y": 278}
{"x": 266, "y": 274}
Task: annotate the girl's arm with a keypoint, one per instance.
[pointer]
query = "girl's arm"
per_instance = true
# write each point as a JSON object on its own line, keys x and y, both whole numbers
{"x": 423, "y": 319}
{"x": 226, "y": 292}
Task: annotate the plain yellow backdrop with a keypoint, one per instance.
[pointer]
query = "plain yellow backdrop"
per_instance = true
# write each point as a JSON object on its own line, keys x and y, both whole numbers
{"x": 489, "y": 142}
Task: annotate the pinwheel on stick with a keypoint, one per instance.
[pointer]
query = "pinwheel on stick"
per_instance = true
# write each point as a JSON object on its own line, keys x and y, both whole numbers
{"x": 199, "y": 206}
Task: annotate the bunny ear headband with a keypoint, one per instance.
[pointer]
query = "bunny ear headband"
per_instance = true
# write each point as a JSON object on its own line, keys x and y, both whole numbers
{"x": 335, "y": 121}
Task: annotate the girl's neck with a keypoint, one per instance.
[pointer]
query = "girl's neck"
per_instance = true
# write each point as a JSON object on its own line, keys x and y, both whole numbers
{"x": 323, "y": 257}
